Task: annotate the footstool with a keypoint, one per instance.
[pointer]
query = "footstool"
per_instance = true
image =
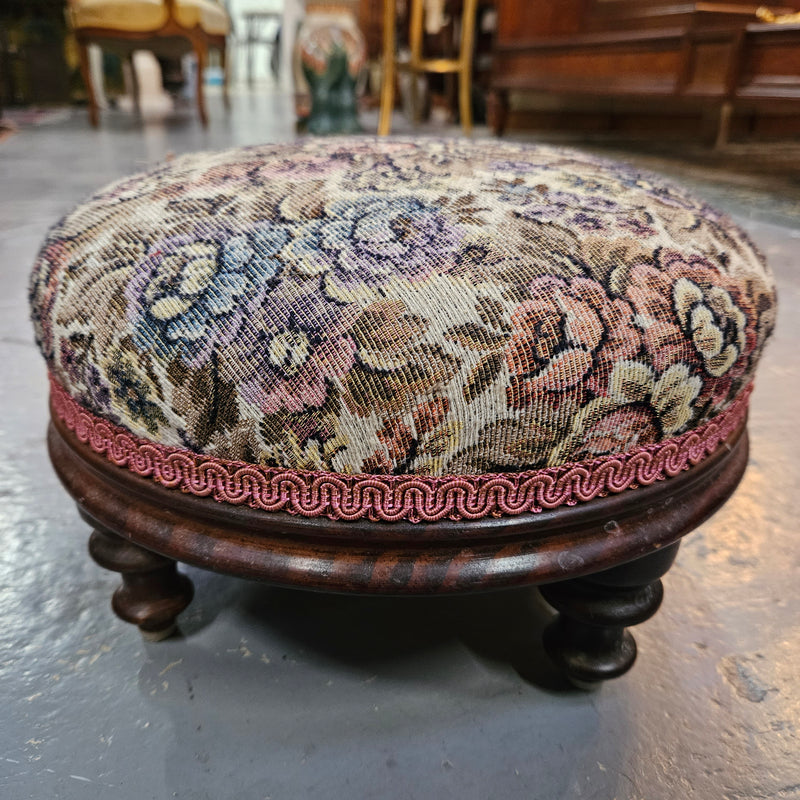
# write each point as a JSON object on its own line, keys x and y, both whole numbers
{"x": 401, "y": 367}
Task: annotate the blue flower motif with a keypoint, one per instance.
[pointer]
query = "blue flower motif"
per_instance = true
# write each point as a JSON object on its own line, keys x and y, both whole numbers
{"x": 367, "y": 241}
{"x": 190, "y": 293}
{"x": 515, "y": 191}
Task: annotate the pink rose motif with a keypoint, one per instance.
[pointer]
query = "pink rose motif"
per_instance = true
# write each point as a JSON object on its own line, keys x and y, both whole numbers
{"x": 567, "y": 338}
{"x": 620, "y": 431}
{"x": 44, "y": 286}
{"x": 693, "y": 314}
{"x": 642, "y": 406}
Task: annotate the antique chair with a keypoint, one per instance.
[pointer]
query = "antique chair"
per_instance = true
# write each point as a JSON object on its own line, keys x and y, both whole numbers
{"x": 417, "y": 64}
{"x": 401, "y": 367}
{"x": 168, "y": 28}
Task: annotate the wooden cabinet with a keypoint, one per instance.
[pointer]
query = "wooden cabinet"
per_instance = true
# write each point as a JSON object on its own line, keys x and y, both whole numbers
{"x": 680, "y": 57}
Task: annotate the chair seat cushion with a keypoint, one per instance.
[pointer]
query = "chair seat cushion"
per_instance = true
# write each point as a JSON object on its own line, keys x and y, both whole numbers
{"x": 139, "y": 16}
{"x": 409, "y": 308}
{"x": 206, "y": 14}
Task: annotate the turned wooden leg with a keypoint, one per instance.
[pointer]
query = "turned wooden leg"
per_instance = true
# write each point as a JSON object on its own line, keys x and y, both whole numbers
{"x": 153, "y": 592}
{"x": 588, "y": 640}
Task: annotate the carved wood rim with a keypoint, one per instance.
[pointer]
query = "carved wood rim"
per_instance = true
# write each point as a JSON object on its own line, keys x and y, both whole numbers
{"x": 396, "y": 558}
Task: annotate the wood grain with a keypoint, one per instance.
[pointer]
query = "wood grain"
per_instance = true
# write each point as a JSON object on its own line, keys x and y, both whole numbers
{"x": 396, "y": 558}
{"x": 695, "y": 55}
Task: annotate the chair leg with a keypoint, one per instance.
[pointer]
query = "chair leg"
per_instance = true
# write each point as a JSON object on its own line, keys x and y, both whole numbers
{"x": 588, "y": 640}
{"x": 251, "y": 26}
{"x": 416, "y": 105}
{"x": 86, "y": 74}
{"x": 415, "y": 43}
{"x": 135, "y": 87}
{"x": 387, "y": 87}
{"x": 201, "y": 53}
{"x": 724, "y": 124}
{"x": 223, "y": 57}
{"x": 465, "y": 69}
{"x": 275, "y": 56}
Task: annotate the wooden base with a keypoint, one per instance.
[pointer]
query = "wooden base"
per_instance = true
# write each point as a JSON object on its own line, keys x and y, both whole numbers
{"x": 578, "y": 549}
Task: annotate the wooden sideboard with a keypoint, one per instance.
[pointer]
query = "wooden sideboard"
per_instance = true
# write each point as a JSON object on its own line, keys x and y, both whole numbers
{"x": 711, "y": 59}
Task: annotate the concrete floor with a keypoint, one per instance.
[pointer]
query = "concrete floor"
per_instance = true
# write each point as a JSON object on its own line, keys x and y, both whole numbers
{"x": 279, "y": 694}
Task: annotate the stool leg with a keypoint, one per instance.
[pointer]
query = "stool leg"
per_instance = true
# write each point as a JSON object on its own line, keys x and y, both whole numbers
{"x": 588, "y": 640}
{"x": 152, "y": 593}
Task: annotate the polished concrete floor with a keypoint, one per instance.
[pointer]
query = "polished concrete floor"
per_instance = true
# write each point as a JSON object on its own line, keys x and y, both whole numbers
{"x": 279, "y": 694}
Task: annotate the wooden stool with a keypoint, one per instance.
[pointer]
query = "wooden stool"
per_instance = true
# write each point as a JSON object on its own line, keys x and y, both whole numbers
{"x": 462, "y": 66}
{"x": 397, "y": 367}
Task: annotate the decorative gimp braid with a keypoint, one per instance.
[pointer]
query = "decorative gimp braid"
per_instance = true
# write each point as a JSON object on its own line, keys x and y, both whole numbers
{"x": 392, "y": 498}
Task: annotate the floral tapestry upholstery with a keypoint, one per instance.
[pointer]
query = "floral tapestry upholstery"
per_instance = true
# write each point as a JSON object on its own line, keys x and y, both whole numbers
{"x": 397, "y": 307}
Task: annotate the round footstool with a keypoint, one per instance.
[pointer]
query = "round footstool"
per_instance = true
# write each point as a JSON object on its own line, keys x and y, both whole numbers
{"x": 401, "y": 367}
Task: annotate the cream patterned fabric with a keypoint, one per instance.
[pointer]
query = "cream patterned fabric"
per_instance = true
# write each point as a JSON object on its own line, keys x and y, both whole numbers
{"x": 401, "y": 307}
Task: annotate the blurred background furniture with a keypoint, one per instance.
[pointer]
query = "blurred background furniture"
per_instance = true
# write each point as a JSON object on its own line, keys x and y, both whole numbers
{"x": 262, "y": 27}
{"x": 331, "y": 53}
{"x": 417, "y": 64}
{"x": 33, "y": 69}
{"x": 700, "y": 61}
{"x": 168, "y": 28}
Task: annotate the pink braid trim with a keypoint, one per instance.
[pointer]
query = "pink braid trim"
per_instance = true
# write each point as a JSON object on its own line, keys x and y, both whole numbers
{"x": 389, "y": 498}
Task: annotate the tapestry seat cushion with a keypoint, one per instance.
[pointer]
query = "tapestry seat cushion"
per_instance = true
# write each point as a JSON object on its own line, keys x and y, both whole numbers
{"x": 435, "y": 317}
